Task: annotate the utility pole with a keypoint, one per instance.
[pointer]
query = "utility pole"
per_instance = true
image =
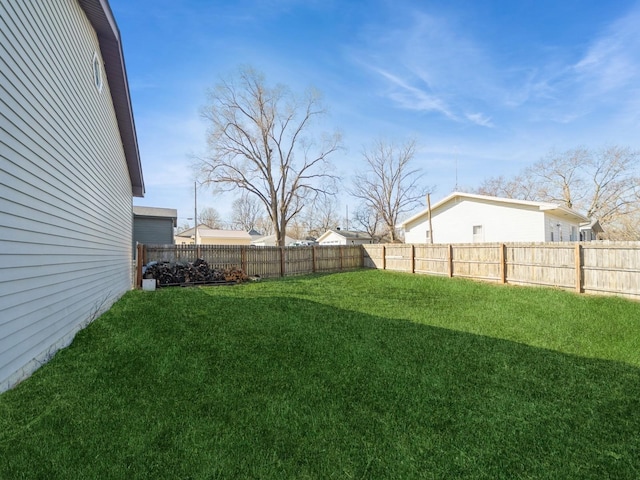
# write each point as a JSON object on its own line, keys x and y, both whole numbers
{"x": 195, "y": 212}
{"x": 429, "y": 215}
{"x": 347, "y": 218}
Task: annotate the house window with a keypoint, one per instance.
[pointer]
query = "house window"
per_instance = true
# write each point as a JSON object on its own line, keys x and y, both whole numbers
{"x": 97, "y": 72}
{"x": 477, "y": 233}
{"x": 428, "y": 235}
{"x": 574, "y": 234}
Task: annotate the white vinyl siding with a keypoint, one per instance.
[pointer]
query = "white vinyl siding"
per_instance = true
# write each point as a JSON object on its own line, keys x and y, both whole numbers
{"x": 65, "y": 191}
{"x": 333, "y": 239}
{"x": 152, "y": 230}
{"x": 454, "y": 222}
{"x": 559, "y": 230}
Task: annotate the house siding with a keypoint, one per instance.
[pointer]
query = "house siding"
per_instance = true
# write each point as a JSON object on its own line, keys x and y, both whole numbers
{"x": 333, "y": 239}
{"x": 561, "y": 230}
{"x": 453, "y": 223}
{"x": 149, "y": 230}
{"x": 65, "y": 190}
{"x": 344, "y": 238}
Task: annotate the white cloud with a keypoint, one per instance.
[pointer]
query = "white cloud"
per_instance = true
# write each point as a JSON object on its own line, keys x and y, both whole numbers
{"x": 480, "y": 119}
{"x": 430, "y": 65}
{"x": 413, "y": 98}
{"x": 612, "y": 62}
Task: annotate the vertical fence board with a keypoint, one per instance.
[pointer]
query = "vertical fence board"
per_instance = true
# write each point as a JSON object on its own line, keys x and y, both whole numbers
{"x": 503, "y": 263}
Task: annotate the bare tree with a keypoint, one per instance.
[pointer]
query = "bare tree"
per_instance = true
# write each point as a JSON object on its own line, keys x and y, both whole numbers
{"x": 183, "y": 227}
{"x": 369, "y": 220}
{"x": 604, "y": 184}
{"x": 297, "y": 228}
{"x": 260, "y": 142}
{"x": 615, "y": 182}
{"x": 560, "y": 177}
{"x": 246, "y": 212}
{"x": 320, "y": 216}
{"x": 519, "y": 187}
{"x": 210, "y": 217}
{"x": 264, "y": 225}
{"x": 389, "y": 185}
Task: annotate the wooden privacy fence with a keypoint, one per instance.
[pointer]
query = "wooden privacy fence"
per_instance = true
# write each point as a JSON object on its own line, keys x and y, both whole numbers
{"x": 610, "y": 268}
{"x": 256, "y": 261}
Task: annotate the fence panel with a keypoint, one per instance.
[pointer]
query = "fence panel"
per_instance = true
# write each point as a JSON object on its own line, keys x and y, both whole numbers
{"x": 328, "y": 259}
{"x": 221, "y": 256}
{"x": 373, "y": 256}
{"x": 550, "y": 264}
{"x": 477, "y": 260}
{"x": 263, "y": 261}
{"x": 612, "y": 268}
{"x": 398, "y": 257}
{"x": 352, "y": 257}
{"x": 298, "y": 260}
{"x": 432, "y": 259}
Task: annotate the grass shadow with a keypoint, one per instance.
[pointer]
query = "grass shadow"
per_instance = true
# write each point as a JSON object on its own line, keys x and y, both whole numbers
{"x": 197, "y": 384}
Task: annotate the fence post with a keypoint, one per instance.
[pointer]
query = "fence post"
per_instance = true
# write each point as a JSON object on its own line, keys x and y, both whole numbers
{"x": 243, "y": 258}
{"x": 139, "y": 263}
{"x": 341, "y": 252}
{"x": 313, "y": 259}
{"x": 384, "y": 257}
{"x": 413, "y": 258}
{"x": 282, "y": 260}
{"x": 579, "y": 261}
{"x": 450, "y": 259}
{"x": 503, "y": 263}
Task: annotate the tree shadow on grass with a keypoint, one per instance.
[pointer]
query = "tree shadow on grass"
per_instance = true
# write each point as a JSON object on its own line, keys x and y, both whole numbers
{"x": 279, "y": 387}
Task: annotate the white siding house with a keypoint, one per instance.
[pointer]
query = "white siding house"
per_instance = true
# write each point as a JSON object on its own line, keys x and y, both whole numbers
{"x": 69, "y": 166}
{"x": 469, "y": 218}
{"x": 344, "y": 237}
{"x": 212, "y": 236}
{"x": 271, "y": 241}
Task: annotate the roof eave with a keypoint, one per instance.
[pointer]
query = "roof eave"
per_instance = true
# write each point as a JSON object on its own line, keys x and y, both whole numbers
{"x": 565, "y": 210}
{"x": 99, "y": 14}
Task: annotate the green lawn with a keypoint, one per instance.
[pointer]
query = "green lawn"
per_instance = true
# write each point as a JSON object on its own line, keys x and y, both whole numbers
{"x": 366, "y": 374}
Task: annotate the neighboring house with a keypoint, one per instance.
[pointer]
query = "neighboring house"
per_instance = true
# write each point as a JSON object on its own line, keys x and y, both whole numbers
{"x": 154, "y": 225}
{"x": 70, "y": 166}
{"x": 270, "y": 241}
{"x": 591, "y": 231}
{"x": 254, "y": 234}
{"x": 211, "y": 236}
{"x": 469, "y": 218}
{"x": 344, "y": 237}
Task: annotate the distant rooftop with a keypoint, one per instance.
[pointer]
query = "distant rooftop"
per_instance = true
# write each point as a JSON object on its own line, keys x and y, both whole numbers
{"x": 171, "y": 213}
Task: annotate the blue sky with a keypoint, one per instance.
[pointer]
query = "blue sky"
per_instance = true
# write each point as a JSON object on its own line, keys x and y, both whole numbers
{"x": 486, "y": 87}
